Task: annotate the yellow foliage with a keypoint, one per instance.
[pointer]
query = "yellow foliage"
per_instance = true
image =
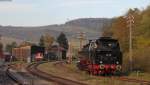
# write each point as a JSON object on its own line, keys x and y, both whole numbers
{"x": 140, "y": 37}
{"x": 143, "y": 42}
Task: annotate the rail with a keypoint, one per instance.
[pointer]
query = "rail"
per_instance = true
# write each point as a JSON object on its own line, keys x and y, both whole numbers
{"x": 32, "y": 68}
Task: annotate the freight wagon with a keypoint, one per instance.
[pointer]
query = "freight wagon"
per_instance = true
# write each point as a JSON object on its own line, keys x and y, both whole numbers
{"x": 29, "y": 53}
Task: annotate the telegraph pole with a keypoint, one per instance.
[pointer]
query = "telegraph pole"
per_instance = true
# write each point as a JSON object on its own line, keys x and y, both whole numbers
{"x": 130, "y": 22}
{"x": 81, "y": 37}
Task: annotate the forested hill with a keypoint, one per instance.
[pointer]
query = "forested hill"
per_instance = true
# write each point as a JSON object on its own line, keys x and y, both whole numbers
{"x": 91, "y": 26}
{"x": 141, "y": 37}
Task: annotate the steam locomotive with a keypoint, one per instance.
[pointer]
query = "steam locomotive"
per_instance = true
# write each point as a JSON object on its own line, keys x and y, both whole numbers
{"x": 101, "y": 56}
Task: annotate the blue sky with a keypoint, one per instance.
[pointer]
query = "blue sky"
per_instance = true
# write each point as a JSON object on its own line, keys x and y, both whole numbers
{"x": 46, "y": 12}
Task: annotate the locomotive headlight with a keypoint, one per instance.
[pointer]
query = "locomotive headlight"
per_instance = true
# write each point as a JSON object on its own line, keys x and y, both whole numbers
{"x": 101, "y": 62}
{"x": 117, "y": 62}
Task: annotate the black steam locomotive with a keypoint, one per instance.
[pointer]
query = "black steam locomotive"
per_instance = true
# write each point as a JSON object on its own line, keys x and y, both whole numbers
{"x": 102, "y": 56}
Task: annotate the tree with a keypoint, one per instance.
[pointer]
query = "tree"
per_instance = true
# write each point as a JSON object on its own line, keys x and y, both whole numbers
{"x": 41, "y": 43}
{"x": 120, "y": 31}
{"x": 63, "y": 42}
{"x": 9, "y": 47}
{"x": 46, "y": 41}
{"x": 140, "y": 37}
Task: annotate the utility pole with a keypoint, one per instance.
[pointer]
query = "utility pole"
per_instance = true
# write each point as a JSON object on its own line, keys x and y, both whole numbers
{"x": 81, "y": 36}
{"x": 130, "y": 22}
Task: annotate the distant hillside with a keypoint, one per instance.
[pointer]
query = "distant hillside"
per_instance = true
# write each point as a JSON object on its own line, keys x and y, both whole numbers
{"x": 91, "y": 26}
{"x": 9, "y": 40}
{"x": 25, "y": 33}
{"x": 91, "y": 23}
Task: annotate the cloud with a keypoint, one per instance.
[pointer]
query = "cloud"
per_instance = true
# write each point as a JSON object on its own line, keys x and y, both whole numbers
{"x": 15, "y": 7}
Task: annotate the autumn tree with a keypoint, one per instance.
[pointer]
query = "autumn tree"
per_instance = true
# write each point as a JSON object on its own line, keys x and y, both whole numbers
{"x": 46, "y": 41}
{"x": 140, "y": 37}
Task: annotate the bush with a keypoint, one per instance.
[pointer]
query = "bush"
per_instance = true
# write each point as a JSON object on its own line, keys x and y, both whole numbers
{"x": 141, "y": 60}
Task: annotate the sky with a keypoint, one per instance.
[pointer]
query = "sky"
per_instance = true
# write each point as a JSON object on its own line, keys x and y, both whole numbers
{"x": 47, "y": 12}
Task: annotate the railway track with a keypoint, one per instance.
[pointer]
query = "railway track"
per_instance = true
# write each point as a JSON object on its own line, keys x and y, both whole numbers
{"x": 6, "y": 78}
{"x": 17, "y": 80}
{"x": 25, "y": 78}
{"x": 49, "y": 77}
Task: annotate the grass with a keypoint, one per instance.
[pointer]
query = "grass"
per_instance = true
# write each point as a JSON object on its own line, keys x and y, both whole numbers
{"x": 70, "y": 71}
{"x": 140, "y": 76}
